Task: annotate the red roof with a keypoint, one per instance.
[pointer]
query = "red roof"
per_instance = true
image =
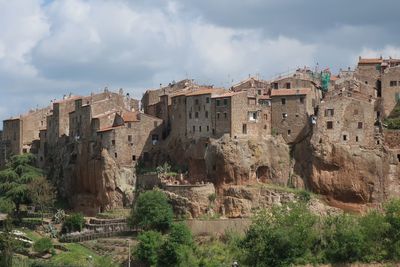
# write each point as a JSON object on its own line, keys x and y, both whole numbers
{"x": 129, "y": 116}
{"x": 228, "y": 94}
{"x": 370, "y": 61}
{"x": 106, "y": 129}
{"x": 288, "y": 92}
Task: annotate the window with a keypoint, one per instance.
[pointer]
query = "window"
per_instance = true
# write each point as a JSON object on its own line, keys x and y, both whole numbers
{"x": 302, "y": 99}
{"x": 397, "y": 97}
{"x": 275, "y": 85}
{"x": 154, "y": 137}
{"x": 289, "y": 132}
{"x": 329, "y": 112}
{"x": 129, "y": 125}
{"x": 206, "y": 114}
{"x": 284, "y": 115}
{"x": 208, "y": 128}
{"x": 225, "y": 101}
{"x": 133, "y": 158}
{"x": 207, "y": 100}
{"x": 360, "y": 125}
{"x": 218, "y": 115}
{"x": 356, "y": 138}
{"x": 283, "y": 101}
{"x": 190, "y": 115}
{"x": 344, "y": 137}
{"x": 196, "y": 114}
{"x": 252, "y": 115}
{"x": 129, "y": 138}
{"x": 259, "y": 92}
{"x": 194, "y": 128}
{"x": 329, "y": 125}
{"x": 398, "y": 157}
{"x": 218, "y": 102}
{"x": 199, "y": 128}
{"x": 393, "y": 83}
{"x": 366, "y": 82}
{"x": 113, "y": 142}
{"x": 225, "y": 115}
{"x": 244, "y": 128}
{"x": 287, "y": 85}
{"x": 196, "y": 101}
{"x": 115, "y": 155}
{"x": 24, "y": 150}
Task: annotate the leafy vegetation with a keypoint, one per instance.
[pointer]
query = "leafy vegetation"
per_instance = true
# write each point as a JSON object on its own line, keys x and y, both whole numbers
{"x": 393, "y": 120}
{"x": 73, "y": 223}
{"x": 42, "y": 194}
{"x": 43, "y": 245}
{"x": 15, "y": 179}
{"x": 152, "y": 212}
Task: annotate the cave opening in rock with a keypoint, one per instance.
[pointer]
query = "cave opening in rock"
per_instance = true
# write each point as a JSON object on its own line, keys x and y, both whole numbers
{"x": 264, "y": 174}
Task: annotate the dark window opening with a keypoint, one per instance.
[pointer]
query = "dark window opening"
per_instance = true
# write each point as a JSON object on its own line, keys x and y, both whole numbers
{"x": 208, "y": 128}
{"x": 218, "y": 102}
{"x": 196, "y": 101}
{"x": 190, "y": 115}
{"x": 378, "y": 88}
{"x": 344, "y": 137}
{"x": 225, "y": 101}
{"x": 206, "y": 114}
{"x": 199, "y": 128}
{"x": 360, "y": 125}
{"x": 283, "y": 101}
{"x": 289, "y": 132}
{"x": 194, "y": 128}
{"x": 115, "y": 155}
{"x": 287, "y": 85}
{"x": 259, "y": 92}
{"x": 196, "y": 114}
{"x": 302, "y": 99}
{"x": 129, "y": 138}
{"x": 244, "y": 129}
{"x": 225, "y": 115}
{"x": 398, "y": 157}
{"x": 393, "y": 83}
{"x": 356, "y": 138}
{"x": 329, "y": 124}
{"x": 113, "y": 142}
{"x": 275, "y": 85}
{"x": 133, "y": 158}
{"x": 207, "y": 100}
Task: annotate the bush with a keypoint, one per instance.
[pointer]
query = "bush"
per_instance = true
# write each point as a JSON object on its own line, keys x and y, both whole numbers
{"x": 148, "y": 246}
{"x": 152, "y": 212}
{"x": 392, "y": 217}
{"x": 281, "y": 236}
{"x": 343, "y": 239}
{"x": 73, "y": 223}
{"x": 43, "y": 245}
{"x": 6, "y": 206}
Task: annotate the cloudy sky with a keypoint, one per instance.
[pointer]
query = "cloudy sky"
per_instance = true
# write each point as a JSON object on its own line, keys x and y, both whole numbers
{"x": 53, "y": 47}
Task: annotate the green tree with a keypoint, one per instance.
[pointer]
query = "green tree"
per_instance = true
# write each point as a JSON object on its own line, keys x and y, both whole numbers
{"x": 14, "y": 180}
{"x": 392, "y": 217}
{"x": 152, "y": 212}
{"x": 343, "y": 239}
{"x": 281, "y": 236}
{"x": 43, "y": 245}
{"x": 148, "y": 247}
{"x": 42, "y": 194}
{"x": 7, "y": 244}
{"x": 73, "y": 223}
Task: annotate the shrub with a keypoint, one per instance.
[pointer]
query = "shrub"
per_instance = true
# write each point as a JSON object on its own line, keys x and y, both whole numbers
{"x": 281, "y": 236}
{"x": 392, "y": 217}
{"x": 73, "y": 223}
{"x": 152, "y": 212}
{"x": 6, "y": 206}
{"x": 43, "y": 245}
{"x": 148, "y": 246}
{"x": 343, "y": 239}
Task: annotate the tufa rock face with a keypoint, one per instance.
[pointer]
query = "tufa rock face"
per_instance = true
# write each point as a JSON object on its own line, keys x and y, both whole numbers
{"x": 349, "y": 174}
{"x": 92, "y": 185}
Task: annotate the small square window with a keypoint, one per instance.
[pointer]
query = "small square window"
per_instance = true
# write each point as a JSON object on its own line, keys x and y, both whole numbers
{"x": 129, "y": 138}
{"x": 360, "y": 125}
{"x": 225, "y": 101}
{"x": 287, "y": 85}
{"x": 113, "y": 142}
{"x": 207, "y": 100}
{"x": 344, "y": 137}
{"x": 283, "y": 101}
{"x": 289, "y": 132}
{"x": 393, "y": 83}
{"x": 218, "y": 102}
{"x": 329, "y": 124}
{"x": 302, "y": 99}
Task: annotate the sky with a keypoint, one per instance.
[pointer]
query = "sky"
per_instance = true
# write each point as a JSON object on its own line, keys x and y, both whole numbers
{"x": 49, "y": 48}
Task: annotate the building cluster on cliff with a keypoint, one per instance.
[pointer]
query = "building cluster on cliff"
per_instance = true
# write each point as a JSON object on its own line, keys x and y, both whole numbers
{"x": 347, "y": 108}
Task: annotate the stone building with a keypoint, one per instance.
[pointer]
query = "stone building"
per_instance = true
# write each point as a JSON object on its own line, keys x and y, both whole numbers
{"x": 20, "y": 133}
{"x": 198, "y": 112}
{"x": 253, "y": 86}
{"x": 239, "y": 114}
{"x": 291, "y": 112}
{"x": 384, "y": 77}
{"x": 347, "y": 117}
{"x": 178, "y": 116}
{"x": 301, "y": 78}
{"x": 131, "y": 137}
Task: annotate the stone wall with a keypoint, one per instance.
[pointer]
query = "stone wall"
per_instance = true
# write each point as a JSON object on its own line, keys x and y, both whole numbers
{"x": 390, "y": 93}
{"x": 392, "y": 138}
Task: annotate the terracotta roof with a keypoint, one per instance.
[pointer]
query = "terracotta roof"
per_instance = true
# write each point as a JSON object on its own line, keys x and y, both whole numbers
{"x": 204, "y": 91}
{"x": 370, "y": 61}
{"x": 106, "y": 129}
{"x": 265, "y": 97}
{"x": 283, "y": 92}
{"x": 98, "y": 116}
{"x": 334, "y": 78}
{"x": 129, "y": 116}
{"x": 228, "y": 94}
